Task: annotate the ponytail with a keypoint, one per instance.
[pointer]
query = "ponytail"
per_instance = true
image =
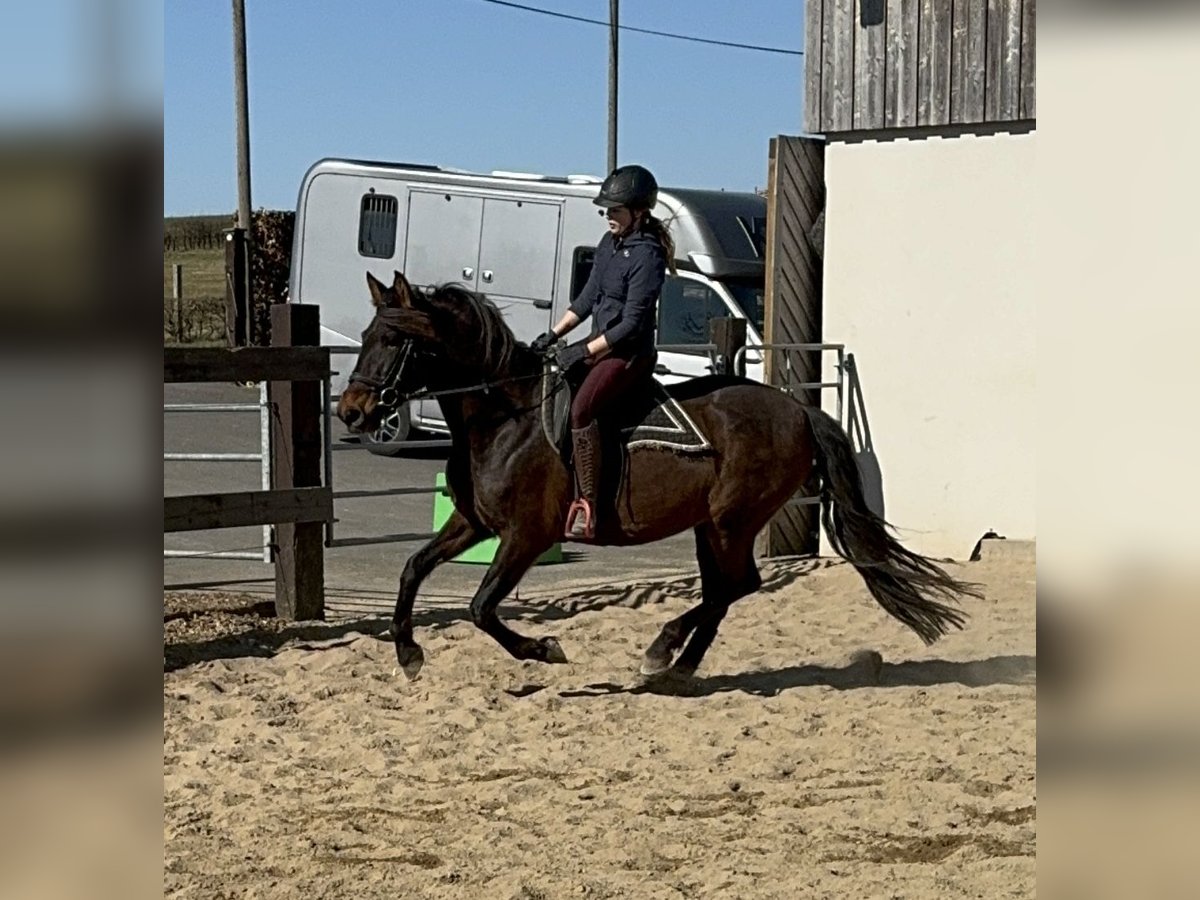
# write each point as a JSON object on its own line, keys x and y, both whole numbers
{"x": 659, "y": 229}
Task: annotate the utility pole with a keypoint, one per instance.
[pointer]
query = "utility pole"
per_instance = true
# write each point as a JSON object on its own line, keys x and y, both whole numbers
{"x": 243, "y": 113}
{"x": 614, "y": 18}
{"x": 238, "y": 250}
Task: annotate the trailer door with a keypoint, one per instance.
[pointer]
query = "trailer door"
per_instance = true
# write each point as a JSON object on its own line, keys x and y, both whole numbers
{"x": 518, "y": 253}
{"x": 442, "y": 244}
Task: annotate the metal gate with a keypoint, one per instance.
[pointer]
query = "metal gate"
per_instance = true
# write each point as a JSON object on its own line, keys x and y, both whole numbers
{"x": 331, "y": 538}
{"x": 792, "y": 367}
{"x": 263, "y": 457}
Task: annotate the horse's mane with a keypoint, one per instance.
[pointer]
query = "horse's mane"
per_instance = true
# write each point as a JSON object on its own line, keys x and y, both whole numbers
{"x": 498, "y": 341}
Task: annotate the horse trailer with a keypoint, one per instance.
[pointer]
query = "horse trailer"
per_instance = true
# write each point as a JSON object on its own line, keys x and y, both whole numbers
{"x": 526, "y": 242}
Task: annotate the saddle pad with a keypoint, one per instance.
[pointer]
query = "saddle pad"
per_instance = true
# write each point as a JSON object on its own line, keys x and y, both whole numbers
{"x": 666, "y": 426}
{"x": 657, "y": 421}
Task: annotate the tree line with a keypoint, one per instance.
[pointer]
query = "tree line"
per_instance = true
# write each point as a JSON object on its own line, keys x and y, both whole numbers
{"x": 203, "y": 318}
{"x": 181, "y": 233}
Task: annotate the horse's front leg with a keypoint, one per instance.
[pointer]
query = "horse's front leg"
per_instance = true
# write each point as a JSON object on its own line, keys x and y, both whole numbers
{"x": 457, "y": 535}
{"x": 516, "y": 554}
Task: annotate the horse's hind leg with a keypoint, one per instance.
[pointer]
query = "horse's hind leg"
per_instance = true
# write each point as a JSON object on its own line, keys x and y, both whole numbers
{"x": 736, "y": 576}
{"x": 659, "y": 654}
{"x": 456, "y": 536}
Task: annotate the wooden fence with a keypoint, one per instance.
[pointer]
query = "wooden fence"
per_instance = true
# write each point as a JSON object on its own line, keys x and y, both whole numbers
{"x": 298, "y": 504}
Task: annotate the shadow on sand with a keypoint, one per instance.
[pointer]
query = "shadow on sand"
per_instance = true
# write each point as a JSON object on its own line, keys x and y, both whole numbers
{"x": 1014, "y": 670}
{"x": 250, "y": 628}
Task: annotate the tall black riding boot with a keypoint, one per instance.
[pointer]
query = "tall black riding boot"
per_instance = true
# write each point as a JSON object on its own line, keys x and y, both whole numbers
{"x": 581, "y": 518}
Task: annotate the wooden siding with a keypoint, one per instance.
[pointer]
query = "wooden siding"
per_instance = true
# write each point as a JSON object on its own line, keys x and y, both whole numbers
{"x": 795, "y": 200}
{"x": 967, "y": 58}
{"x": 933, "y": 66}
{"x": 837, "y": 49}
{"x": 869, "y": 58}
{"x": 900, "y": 70}
{"x": 1029, "y": 60}
{"x": 879, "y": 64}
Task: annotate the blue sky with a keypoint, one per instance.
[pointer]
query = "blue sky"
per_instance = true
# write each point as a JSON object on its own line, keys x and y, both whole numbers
{"x": 80, "y": 63}
{"x": 469, "y": 84}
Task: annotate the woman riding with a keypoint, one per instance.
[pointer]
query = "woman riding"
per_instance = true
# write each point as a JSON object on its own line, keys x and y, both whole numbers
{"x": 621, "y": 296}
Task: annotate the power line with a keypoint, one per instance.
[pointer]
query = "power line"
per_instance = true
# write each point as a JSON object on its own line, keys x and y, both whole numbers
{"x": 678, "y": 37}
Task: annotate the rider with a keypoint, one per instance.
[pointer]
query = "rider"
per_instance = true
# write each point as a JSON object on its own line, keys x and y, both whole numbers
{"x": 621, "y": 296}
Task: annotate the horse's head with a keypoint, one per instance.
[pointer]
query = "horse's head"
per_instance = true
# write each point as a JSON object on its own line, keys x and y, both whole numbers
{"x": 448, "y": 334}
{"x": 386, "y": 368}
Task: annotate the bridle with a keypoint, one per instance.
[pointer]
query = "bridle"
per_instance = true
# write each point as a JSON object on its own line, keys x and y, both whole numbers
{"x": 385, "y": 383}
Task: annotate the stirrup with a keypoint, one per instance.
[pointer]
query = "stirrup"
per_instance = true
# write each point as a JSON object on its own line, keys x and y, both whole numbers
{"x": 581, "y": 507}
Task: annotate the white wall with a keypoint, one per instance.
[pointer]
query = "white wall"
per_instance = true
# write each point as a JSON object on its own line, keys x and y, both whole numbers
{"x": 929, "y": 262}
{"x": 1120, "y": 206}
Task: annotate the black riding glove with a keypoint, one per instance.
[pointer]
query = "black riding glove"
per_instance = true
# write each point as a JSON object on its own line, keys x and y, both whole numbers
{"x": 571, "y": 355}
{"x": 543, "y": 342}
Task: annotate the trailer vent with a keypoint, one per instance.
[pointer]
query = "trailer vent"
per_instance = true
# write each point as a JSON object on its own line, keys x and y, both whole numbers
{"x": 377, "y": 226}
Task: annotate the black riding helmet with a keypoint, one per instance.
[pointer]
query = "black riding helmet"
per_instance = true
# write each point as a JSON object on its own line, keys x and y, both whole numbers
{"x": 629, "y": 186}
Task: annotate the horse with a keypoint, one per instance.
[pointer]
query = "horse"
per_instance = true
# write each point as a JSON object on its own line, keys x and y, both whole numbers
{"x": 507, "y": 479}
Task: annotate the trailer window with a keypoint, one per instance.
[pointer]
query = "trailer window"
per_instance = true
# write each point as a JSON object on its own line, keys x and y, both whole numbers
{"x": 581, "y": 270}
{"x": 377, "y": 226}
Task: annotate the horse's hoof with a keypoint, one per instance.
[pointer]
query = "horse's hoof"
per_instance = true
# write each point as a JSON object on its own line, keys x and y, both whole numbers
{"x": 653, "y": 666}
{"x": 869, "y": 663}
{"x": 552, "y": 651}
{"x": 411, "y": 658}
{"x": 683, "y": 673}
{"x": 671, "y": 682}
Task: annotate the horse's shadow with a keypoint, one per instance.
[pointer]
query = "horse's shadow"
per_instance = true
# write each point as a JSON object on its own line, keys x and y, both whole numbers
{"x": 1013, "y": 670}
{"x": 268, "y": 640}
{"x": 777, "y": 574}
{"x": 262, "y": 642}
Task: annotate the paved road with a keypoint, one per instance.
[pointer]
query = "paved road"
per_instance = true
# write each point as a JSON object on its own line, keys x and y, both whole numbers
{"x": 358, "y": 579}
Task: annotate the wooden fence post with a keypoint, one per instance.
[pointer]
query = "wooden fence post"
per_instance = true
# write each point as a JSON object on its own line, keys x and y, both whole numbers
{"x": 730, "y": 336}
{"x": 296, "y": 447}
{"x": 237, "y": 303}
{"x": 177, "y": 292}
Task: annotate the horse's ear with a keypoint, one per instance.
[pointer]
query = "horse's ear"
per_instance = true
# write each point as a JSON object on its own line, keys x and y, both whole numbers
{"x": 376, "y": 288}
{"x": 404, "y": 291}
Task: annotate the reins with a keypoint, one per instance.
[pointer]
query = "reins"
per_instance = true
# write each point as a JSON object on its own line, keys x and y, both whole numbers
{"x": 390, "y": 397}
{"x": 484, "y": 386}
{"x": 384, "y": 388}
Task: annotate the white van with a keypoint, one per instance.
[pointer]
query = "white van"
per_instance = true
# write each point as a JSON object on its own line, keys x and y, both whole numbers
{"x": 526, "y": 241}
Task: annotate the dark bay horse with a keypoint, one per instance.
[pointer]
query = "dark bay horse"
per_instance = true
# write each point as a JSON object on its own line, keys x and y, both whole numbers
{"x": 507, "y": 479}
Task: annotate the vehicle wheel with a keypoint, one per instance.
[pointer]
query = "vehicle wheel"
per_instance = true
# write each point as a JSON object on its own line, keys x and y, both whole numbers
{"x": 396, "y": 426}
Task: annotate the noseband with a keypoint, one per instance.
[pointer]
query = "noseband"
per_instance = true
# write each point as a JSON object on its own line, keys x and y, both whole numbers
{"x": 385, "y": 384}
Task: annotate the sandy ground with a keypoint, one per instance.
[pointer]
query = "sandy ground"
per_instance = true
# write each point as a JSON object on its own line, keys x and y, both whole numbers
{"x": 296, "y": 763}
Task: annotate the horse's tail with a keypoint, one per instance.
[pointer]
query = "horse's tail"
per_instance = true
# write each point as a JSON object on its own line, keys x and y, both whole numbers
{"x": 909, "y": 586}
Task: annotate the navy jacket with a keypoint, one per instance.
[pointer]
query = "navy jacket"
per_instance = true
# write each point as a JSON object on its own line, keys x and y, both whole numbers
{"x": 621, "y": 295}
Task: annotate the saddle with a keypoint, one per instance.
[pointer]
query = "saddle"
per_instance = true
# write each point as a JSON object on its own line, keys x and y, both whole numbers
{"x": 653, "y": 420}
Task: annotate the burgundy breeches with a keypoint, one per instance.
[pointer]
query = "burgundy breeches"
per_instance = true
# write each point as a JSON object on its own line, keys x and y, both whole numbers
{"x": 607, "y": 381}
